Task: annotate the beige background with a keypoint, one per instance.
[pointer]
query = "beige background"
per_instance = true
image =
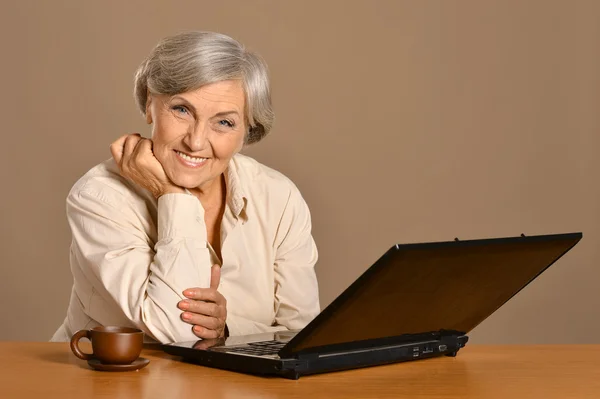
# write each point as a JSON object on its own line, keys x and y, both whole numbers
{"x": 400, "y": 121}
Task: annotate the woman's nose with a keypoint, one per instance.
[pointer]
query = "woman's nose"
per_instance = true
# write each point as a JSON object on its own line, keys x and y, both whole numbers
{"x": 196, "y": 138}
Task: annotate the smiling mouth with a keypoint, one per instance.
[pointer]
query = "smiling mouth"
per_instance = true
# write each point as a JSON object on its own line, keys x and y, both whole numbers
{"x": 190, "y": 159}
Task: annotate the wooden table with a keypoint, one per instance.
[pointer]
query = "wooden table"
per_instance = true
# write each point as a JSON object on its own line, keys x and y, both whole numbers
{"x": 50, "y": 370}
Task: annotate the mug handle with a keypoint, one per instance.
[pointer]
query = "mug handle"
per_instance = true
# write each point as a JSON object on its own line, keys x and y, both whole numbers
{"x": 75, "y": 344}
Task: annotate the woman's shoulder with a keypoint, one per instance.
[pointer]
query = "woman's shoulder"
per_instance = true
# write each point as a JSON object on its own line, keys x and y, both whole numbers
{"x": 270, "y": 187}
{"x": 254, "y": 174}
{"x": 103, "y": 182}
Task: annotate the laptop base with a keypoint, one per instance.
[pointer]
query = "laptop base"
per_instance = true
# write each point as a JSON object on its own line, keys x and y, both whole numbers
{"x": 306, "y": 364}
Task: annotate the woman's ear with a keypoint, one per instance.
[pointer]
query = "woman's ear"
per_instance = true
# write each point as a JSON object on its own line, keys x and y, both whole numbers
{"x": 148, "y": 113}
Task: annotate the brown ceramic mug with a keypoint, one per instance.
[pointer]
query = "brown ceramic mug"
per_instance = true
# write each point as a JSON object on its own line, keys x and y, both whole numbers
{"x": 110, "y": 345}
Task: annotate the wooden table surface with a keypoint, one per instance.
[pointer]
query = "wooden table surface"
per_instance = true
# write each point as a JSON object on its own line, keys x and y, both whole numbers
{"x": 50, "y": 370}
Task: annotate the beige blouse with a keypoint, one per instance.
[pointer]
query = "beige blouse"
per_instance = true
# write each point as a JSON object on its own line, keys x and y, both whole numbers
{"x": 133, "y": 256}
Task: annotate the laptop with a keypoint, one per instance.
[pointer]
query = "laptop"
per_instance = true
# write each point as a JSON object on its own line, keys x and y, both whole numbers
{"x": 417, "y": 301}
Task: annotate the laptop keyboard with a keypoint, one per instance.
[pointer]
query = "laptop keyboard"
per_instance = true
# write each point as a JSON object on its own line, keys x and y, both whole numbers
{"x": 259, "y": 348}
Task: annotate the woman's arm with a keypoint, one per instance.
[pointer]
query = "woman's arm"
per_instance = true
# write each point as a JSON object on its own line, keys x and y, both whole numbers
{"x": 296, "y": 287}
{"x": 143, "y": 280}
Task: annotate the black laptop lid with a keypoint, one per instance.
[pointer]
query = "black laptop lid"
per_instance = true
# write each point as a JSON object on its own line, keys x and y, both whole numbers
{"x": 421, "y": 288}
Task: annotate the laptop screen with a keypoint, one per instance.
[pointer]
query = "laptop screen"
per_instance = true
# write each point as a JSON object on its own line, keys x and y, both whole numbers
{"x": 420, "y": 288}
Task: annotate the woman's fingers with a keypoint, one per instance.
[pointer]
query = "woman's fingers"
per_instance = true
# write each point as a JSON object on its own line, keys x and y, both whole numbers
{"x": 135, "y": 158}
{"x": 130, "y": 143}
{"x": 122, "y": 148}
{"x": 206, "y": 333}
{"x": 142, "y": 153}
{"x": 206, "y": 308}
{"x": 116, "y": 148}
{"x": 210, "y": 323}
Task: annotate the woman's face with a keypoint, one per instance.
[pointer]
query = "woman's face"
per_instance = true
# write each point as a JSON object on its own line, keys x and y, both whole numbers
{"x": 196, "y": 133}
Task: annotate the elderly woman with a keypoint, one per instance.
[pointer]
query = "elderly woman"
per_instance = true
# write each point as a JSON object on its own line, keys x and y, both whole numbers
{"x": 181, "y": 235}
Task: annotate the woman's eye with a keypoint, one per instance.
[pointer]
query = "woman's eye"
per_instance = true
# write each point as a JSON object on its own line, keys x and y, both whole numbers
{"x": 226, "y": 123}
{"x": 181, "y": 109}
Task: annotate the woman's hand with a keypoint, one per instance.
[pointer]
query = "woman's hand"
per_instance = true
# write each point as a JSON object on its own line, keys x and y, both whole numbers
{"x": 206, "y": 308}
{"x": 133, "y": 154}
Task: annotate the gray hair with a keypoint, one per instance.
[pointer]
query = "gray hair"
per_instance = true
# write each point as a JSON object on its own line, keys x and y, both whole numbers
{"x": 189, "y": 60}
